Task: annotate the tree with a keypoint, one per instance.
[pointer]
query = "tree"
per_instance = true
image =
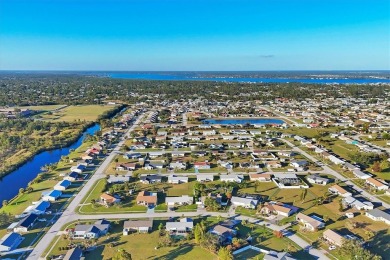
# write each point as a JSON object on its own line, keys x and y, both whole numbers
{"x": 352, "y": 249}
{"x": 376, "y": 167}
{"x": 5, "y": 218}
{"x": 122, "y": 255}
{"x": 385, "y": 164}
{"x": 224, "y": 254}
{"x": 198, "y": 233}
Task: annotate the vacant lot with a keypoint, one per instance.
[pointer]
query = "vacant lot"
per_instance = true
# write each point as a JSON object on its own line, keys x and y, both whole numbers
{"x": 72, "y": 113}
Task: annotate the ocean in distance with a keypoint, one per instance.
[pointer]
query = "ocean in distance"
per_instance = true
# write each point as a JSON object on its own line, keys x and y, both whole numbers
{"x": 261, "y": 77}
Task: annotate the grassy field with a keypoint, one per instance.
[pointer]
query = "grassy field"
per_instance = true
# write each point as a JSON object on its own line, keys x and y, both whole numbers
{"x": 72, "y": 113}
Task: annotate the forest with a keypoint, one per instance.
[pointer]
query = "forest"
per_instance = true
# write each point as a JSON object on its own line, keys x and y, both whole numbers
{"x": 41, "y": 89}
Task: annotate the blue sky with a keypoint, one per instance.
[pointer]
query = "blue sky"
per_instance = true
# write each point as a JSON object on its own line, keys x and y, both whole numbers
{"x": 194, "y": 34}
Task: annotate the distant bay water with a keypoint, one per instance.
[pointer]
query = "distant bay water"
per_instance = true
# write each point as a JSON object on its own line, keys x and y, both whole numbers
{"x": 237, "y": 78}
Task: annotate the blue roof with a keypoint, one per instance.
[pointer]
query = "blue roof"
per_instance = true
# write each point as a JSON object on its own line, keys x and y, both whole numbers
{"x": 65, "y": 183}
{"x": 54, "y": 193}
{"x": 42, "y": 206}
{"x": 27, "y": 221}
{"x": 73, "y": 174}
{"x": 10, "y": 240}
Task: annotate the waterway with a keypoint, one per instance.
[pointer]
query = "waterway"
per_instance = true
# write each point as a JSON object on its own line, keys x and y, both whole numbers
{"x": 11, "y": 183}
{"x": 193, "y": 77}
{"x": 243, "y": 121}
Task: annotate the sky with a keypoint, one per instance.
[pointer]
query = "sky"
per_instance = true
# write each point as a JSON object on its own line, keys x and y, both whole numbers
{"x": 186, "y": 35}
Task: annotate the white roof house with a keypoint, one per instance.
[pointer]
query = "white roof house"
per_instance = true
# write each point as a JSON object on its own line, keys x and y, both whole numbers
{"x": 232, "y": 178}
{"x": 353, "y": 202}
{"x": 361, "y": 175}
{"x": 62, "y": 185}
{"x": 183, "y": 200}
{"x": 244, "y": 202}
{"x": 204, "y": 177}
{"x": 180, "y": 228}
{"x": 177, "y": 179}
{"x": 379, "y": 215}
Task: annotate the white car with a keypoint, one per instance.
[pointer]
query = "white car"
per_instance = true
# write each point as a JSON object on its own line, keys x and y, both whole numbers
{"x": 332, "y": 247}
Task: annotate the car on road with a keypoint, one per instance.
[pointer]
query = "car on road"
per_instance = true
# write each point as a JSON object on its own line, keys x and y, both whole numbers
{"x": 332, "y": 248}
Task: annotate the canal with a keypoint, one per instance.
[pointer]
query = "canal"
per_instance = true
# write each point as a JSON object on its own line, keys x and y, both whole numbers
{"x": 11, "y": 183}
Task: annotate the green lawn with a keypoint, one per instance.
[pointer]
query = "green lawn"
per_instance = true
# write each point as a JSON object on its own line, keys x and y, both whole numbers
{"x": 187, "y": 208}
{"x": 127, "y": 205}
{"x": 182, "y": 189}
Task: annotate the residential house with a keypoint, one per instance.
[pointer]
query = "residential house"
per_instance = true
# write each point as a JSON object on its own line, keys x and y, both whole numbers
{"x": 336, "y": 189}
{"x": 247, "y": 202}
{"x": 73, "y": 176}
{"x": 126, "y": 166}
{"x": 178, "y": 165}
{"x": 119, "y": 178}
{"x": 140, "y": 226}
{"x": 179, "y": 201}
{"x": 262, "y": 177}
{"x": 300, "y": 165}
{"x": 108, "y": 200}
{"x": 25, "y": 223}
{"x": 178, "y": 153}
{"x": 96, "y": 230}
{"x": 286, "y": 153}
{"x": 287, "y": 179}
{"x": 278, "y": 209}
{"x": 150, "y": 178}
{"x": 232, "y": 178}
{"x": 316, "y": 179}
{"x": 273, "y": 255}
{"x": 10, "y": 242}
{"x": 361, "y": 175}
{"x": 180, "y": 228}
{"x": 177, "y": 179}
{"x": 150, "y": 165}
{"x": 309, "y": 223}
{"x": 37, "y": 208}
{"x": 379, "y": 215}
{"x": 146, "y": 198}
{"x": 132, "y": 156}
{"x": 273, "y": 164}
{"x": 202, "y": 165}
{"x": 52, "y": 195}
{"x": 333, "y": 237}
{"x": 224, "y": 233}
{"x": 376, "y": 184}
{"x": 62, "y": 185}
{"x": 154, "y": 155}
{"x": 359, "y": 205}
{"x": 79, "y": 168}
{"x": 204, "y": 177}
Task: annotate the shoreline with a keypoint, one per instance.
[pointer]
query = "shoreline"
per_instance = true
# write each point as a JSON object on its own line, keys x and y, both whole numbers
{"x": 47, "y": 149}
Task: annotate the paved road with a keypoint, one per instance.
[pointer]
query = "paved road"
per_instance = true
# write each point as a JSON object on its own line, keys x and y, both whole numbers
{"x": 329, "y": 170}
{"x": 68, "y": 215}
